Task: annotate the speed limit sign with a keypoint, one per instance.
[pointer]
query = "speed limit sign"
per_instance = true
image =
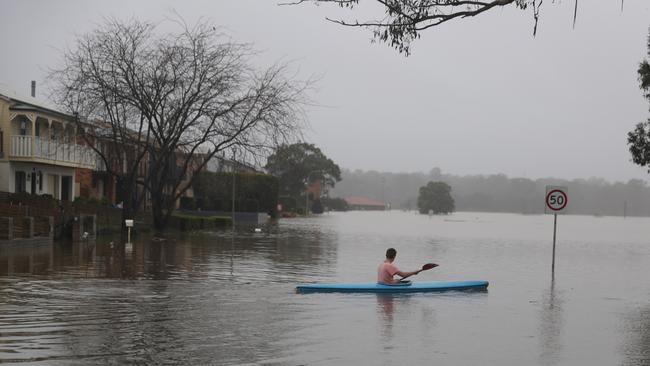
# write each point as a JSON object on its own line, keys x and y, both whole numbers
{"x": 555, "y": 202}
{"x": 556, "y": 199}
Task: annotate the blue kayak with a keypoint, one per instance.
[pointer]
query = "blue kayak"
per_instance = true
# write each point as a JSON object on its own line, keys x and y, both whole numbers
{"x": 375, "y": 287}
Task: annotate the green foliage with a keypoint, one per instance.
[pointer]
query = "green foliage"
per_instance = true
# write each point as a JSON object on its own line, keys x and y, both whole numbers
{"x": 638, "y": 140}
{"x": 289, "y": 203}
{"x": 186, "y": 222}
{"x": 91, "y": 201}
{"x": 254, "y": 192}
{"x": 188, "y": 203}
{"x": 404, "y": 20}
{"x": 105, "y": 201}
{"x": 644, "y": 74}
{"x": 296, "y": 164}
{"x": 436, "y": 197}
{"x": 639, "y": 144}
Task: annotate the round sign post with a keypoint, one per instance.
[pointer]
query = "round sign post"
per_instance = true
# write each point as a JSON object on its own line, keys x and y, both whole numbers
{"x": 555, "y": 203}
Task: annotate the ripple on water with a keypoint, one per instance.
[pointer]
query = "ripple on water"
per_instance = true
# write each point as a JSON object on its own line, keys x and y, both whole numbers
{"x": 212, "y": 296}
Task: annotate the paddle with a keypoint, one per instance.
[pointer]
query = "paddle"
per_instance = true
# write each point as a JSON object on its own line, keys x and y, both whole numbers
{"x": 424, "y": 268}
{"x": 429, "y": 266}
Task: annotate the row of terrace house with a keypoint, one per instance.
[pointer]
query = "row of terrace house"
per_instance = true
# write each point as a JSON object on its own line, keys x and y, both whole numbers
{"x": 41, "y": 152}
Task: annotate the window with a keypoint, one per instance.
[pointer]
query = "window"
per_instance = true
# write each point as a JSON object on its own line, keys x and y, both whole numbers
{"x": 40, "y": 181}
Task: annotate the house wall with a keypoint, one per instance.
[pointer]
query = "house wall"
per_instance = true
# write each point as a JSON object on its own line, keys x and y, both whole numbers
{"x": 49, "y": 181}
{"x": 96, "y": 186}
{"x": 4, "y": 176}
{"x": 4, "y": 128}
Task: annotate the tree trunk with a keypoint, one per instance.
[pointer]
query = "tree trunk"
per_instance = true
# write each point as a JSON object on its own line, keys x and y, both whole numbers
{"x": 158, "y": 207}
{"x": 127, "y": 213}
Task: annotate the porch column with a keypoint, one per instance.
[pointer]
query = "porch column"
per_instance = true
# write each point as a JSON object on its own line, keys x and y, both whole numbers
{"x": 34, "y": 121}
{"x": 75, "y": 147}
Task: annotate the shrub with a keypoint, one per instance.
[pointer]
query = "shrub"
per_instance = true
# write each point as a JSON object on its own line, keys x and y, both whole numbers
{"x": 187, "y": 203}
{"x": 254, "y": 192}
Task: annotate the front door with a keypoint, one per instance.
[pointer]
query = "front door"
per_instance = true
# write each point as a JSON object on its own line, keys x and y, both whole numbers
{"x": 33, "y": 183}
{"x": 20, "y": 181}
{"x": 66, "y": 188}
{"x": 53, "y": 185}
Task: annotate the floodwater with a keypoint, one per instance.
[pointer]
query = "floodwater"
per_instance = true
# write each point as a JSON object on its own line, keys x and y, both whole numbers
{"x": 211, "y": 299}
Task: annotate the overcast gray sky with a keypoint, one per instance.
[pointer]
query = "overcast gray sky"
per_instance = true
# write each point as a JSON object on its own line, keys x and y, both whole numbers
{"x": 477, "y": 96}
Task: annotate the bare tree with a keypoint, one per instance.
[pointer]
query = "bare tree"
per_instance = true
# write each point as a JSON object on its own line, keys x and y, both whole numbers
{"x": 404, "y": 20}
{"x": 170, "y": 102}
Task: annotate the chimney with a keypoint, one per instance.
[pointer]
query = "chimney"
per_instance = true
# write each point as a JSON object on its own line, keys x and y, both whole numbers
{"x": 33, "y": 88}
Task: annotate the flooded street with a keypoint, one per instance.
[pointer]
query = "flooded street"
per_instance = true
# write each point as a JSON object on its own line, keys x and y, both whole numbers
{"x": 209, "y": 298}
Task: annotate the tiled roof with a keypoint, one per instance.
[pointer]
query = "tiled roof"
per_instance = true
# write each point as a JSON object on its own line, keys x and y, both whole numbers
{"x": 363, "y": 201}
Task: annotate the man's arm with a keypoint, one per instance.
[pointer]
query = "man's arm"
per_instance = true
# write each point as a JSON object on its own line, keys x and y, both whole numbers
{"x": 407, "y": 274}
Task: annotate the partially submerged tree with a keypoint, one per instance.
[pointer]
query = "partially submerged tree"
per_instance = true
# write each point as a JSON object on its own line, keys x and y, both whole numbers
{"x": 172, "y": 101}
{"x": 404, "y": 20}
{"x": 298, "y": 165}
{"x": 639, "y": 138}
{"x": 436, "y": 198}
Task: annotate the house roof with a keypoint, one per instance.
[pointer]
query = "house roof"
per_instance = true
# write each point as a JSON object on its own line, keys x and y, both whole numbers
{"x": 363, "y": 201}
{"x": 28, "y": 103}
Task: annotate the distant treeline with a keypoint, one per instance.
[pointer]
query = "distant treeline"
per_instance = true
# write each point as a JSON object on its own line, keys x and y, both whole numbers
{"x": 498, "y": 193}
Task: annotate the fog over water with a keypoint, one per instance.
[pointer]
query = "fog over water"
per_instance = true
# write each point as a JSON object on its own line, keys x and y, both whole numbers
{"x": 478, "y": 96}
{"x": 499, "y": 193}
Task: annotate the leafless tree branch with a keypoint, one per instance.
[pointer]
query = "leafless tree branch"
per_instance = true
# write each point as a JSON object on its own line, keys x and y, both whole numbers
{"x": 403, "y": 20}
{"x": 172, "y": 101}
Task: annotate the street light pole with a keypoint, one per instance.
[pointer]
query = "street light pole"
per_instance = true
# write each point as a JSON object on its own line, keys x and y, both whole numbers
{"x": 234, "y": 152}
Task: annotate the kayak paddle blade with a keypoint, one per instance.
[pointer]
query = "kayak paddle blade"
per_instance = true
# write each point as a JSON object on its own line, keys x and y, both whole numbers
{"x": 429, "y": 266}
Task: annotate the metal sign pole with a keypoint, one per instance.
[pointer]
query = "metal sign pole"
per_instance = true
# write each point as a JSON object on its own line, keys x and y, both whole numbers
{"x": 556, "y": 202}
{"x": 554, "y": 235}
{"x": 232, "y": 217}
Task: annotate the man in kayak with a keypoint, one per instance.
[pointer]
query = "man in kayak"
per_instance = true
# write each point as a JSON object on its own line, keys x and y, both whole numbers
{"x": 387, "y": 269}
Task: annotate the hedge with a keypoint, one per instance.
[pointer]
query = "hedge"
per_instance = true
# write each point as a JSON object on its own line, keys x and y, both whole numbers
{"x": 254, "y": 192}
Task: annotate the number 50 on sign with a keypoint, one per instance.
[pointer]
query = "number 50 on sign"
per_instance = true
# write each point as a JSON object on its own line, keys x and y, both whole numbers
{"x": 556, "y": 199}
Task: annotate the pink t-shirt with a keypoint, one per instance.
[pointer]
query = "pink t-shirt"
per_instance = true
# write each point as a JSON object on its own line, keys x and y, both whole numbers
{"x": 385, "y": 272}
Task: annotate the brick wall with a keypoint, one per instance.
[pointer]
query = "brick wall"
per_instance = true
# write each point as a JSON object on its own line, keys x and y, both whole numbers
{"x": 85, "y": 179}
{"x": 44, "y": 216}
{"x": 6, "y": 228}
{"x": 44, "y": 226}
{"x": 27, "y": 221}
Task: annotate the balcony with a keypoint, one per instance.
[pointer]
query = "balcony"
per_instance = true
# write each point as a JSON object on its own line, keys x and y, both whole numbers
{"x": 54, "y": 152}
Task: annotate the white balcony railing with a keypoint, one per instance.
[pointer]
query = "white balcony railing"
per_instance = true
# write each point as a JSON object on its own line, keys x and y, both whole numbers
{"x": 21, "y": 146}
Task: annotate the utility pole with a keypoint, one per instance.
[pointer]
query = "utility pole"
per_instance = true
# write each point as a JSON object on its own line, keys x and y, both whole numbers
{"x": 234, "y": 152}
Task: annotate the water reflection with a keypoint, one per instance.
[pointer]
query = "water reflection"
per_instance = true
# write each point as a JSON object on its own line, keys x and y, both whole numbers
{"x": 199, "y": 297}
{"x": 30, "y": 258}
{"x": 386, "y": 310}
{"x": 221, "y": 254}
{"x": 636, "y": 349}
{"x": 207, "y": 298}
{"x": 550, "y": 328}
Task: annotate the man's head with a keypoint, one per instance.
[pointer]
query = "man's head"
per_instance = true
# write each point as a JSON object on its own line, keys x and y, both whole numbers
{"x": 391, "y": 253}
